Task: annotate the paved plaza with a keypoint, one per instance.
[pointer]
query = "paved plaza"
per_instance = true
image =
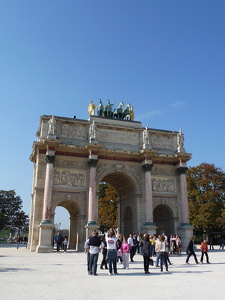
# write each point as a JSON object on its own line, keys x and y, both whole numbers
{"x": 63, "y": 276}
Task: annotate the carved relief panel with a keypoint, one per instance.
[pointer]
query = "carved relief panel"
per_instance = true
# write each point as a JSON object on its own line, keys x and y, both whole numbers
{"x": 69, "y": 178}
{"x": 166, "y": 141}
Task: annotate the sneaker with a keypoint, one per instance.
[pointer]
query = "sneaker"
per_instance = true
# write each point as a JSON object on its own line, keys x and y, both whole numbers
{"x": 127, "y": 268}
{"x": 110, "y": 274}
{"x": 116, "y": 273}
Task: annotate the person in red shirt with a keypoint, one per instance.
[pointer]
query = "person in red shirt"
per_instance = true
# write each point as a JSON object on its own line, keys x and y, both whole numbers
{"x": 204, "y": 248}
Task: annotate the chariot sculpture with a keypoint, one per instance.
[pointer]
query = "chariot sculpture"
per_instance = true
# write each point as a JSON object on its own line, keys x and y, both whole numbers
{"x": 108, "y": 111}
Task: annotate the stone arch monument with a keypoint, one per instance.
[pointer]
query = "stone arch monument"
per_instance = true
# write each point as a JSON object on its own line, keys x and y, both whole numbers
{"x": 146, "y": 167}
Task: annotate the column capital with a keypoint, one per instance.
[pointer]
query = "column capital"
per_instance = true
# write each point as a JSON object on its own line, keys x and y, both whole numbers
{"x": 92, "y": 162}
{"x": 147, "y": 167}
{"x": 182, "y": 170}
{"x": 50, "y": 159}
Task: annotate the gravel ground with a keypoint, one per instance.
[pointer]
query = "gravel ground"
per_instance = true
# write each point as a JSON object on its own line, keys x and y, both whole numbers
{"x": 63, "y": 276}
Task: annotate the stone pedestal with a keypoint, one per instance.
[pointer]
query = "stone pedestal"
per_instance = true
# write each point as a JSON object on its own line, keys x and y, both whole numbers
{"x": 185, "y": 231}
{"x": 149, "y": 228}
{"x": 90, "y": 227}
{"x": 45, "y": 237}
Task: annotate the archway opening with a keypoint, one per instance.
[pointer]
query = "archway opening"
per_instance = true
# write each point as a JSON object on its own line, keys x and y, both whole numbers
{"x": 107, "y": 207}
{"x": 164, "y": 219}
{"x": 125, "y": 193}
{"x": 66, "y": 215}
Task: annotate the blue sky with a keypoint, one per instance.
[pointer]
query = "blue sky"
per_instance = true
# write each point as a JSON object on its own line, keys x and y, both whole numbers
{"x": 167, "y": 58}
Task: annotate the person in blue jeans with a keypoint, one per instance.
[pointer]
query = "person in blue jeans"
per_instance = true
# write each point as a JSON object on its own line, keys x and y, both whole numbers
{"x": 111, "y": 256}
{"x": 94, "y": 244}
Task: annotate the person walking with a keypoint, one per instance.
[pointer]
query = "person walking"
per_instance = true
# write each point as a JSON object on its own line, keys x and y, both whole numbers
{"x": 204, "y": 249}
{"x": 146, "y": 252}
{"x": 104, "y": 252}
{"x": 58, "y": 240}
{"x": 190, "y": 251}
{"x": 132, "y": 247}
{"x": 65, "y": 244}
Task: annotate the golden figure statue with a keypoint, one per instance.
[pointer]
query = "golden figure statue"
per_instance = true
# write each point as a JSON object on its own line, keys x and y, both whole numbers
{"x": 132, "y": 113}
{"x": 91, "y": 108}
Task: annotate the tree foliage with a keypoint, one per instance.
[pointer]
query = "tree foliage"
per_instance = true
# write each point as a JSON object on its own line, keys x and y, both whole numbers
{"x": 12, "y": 216}
{"x": 107, "y": 207}
{"x": 206, "y": 194}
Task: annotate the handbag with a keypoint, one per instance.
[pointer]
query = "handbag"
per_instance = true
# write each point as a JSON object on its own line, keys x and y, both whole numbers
{"x": 151, "y": 262}
{"x": 119, "y": 252}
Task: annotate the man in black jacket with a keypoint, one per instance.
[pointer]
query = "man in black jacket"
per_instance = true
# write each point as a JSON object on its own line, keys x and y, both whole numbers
{"x": 94, "y": 244}
{"x": 190, "y": 251}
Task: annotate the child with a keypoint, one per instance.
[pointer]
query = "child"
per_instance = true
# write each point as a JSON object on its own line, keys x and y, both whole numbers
{"x": 125, "y": 249}
{"x": 65, "y": 243}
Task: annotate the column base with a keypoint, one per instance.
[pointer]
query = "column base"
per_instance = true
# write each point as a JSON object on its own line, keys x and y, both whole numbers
{"x": 149, "y": 228}
{"x": 185, "y": 231}
{"x": 91, "y": 225}
{"x": 45, "y": 237}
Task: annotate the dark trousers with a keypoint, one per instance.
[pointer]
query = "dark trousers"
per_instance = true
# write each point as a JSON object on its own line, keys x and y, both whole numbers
{"x": 104, "y": 262}
{"x": 93, "y": 263}
{"x": 88, "y": 261}
{"x": 132, "y": 252}
{"x": 146, "y": 263}
{"x": 207, "y": 257}
{"x": 58, "y": 246}
{"x": 163, "y": 260}
{"x": 112, "y": 265}
{"x": 189, "y": 255}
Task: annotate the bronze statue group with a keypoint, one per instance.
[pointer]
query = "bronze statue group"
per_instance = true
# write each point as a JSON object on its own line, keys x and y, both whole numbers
{"x": 108, "y": 110}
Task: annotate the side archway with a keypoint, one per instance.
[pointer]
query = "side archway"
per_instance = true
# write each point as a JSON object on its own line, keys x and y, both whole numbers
{"x": 73, "y": 211}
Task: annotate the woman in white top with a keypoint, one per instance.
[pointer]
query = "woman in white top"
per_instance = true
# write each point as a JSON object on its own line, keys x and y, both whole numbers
{"x": 162, "y": 252}
{"x": 111, "y": 256}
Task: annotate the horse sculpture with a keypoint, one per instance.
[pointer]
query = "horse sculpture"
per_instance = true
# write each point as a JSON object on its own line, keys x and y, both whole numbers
{"x": 118, "y": 112}
{"x": 100, "y": 108}
{"x": 126, "y": 112}
{"x": 108, "y": 110}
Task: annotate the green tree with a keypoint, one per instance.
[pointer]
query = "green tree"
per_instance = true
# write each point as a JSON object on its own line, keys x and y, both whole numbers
{"x": 107, "y": 207}
{"x": 206, "y": 194}
{"x": 12, "y": 216}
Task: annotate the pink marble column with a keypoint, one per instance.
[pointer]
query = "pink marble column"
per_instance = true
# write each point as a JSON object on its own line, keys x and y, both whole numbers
{"x": 148, "y": 193}
{"x": 184, "y": 195}
{"x": 92, "y": 204}
{"x": 48, "y": 188}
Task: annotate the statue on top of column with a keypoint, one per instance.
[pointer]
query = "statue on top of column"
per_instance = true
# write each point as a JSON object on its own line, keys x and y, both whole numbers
{"x": 93, "y": 133}
{"x": 146, "y": 139}
{"x": 52, "y": 126}
{"x": 180, "y": 141}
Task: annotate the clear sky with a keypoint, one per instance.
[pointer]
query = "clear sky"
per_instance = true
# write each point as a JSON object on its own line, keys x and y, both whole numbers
{"x": 165, "y": 57}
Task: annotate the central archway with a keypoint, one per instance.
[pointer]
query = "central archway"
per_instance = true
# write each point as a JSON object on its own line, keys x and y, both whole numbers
{"x": 164, "y": 219}
{"x": 127, "y": 202}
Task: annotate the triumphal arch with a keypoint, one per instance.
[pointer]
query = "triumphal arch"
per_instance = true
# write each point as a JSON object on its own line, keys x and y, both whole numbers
{"x": 146, "y": 167}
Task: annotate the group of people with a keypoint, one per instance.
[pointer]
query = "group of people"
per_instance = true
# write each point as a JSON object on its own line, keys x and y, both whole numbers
{"x": 120, "y": 248}
{"x": 21, "y": 240}
{"x": 60, "y": 242}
